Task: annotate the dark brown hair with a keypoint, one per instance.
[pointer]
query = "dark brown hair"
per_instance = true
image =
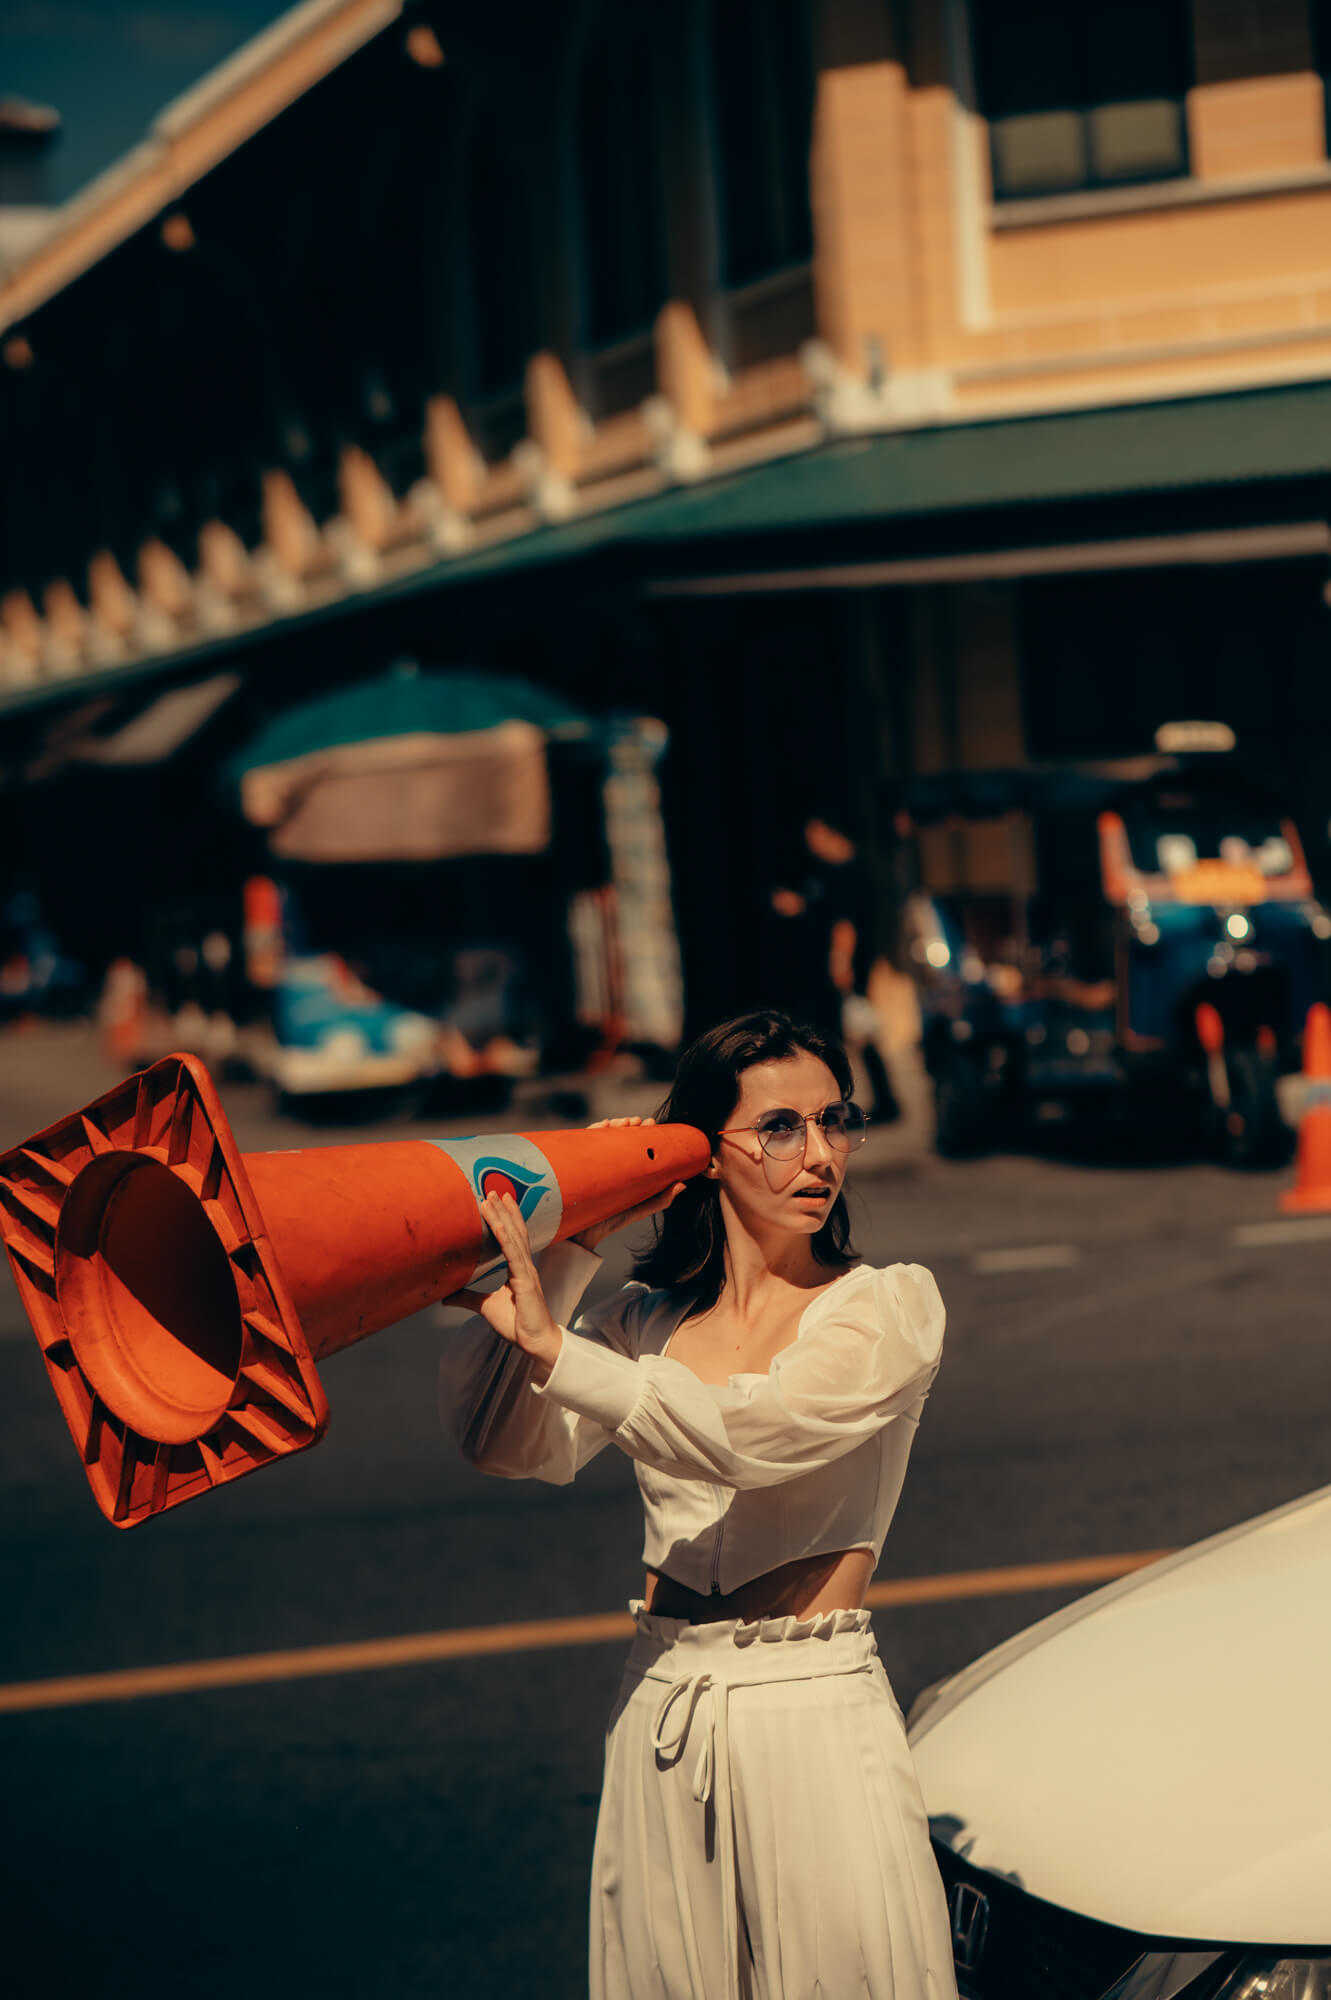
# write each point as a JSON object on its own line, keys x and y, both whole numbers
{"x": 689, "y": 1251}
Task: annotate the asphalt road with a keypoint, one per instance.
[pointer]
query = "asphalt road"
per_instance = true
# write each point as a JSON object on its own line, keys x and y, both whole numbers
{"x": 1126, "y": 1370}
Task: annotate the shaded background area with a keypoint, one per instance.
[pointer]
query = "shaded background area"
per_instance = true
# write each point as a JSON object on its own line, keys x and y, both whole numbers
{"x": 429, "y": 1827}
{"x": 845, "y": 397}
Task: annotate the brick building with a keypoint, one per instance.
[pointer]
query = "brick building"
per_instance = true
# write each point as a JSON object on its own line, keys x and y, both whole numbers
{"x": 865, "y": 386}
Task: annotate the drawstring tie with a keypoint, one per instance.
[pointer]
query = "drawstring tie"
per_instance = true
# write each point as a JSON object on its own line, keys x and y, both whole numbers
{"x": 711, "y": 1781}
{"x": 682, "y": 1708}
{"x": 671, "y": 1748}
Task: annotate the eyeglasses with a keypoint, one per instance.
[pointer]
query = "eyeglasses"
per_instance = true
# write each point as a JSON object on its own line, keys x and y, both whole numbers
{"x": 783, "y": 1135}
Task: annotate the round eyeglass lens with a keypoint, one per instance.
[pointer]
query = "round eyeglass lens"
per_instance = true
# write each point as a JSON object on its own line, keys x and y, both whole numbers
{"x": 844, "y": 1125}
{"x": 781, "y": 1134}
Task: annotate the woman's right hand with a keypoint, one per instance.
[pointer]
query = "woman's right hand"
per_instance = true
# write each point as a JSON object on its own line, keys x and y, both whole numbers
{"x": 517, "y": 1309}
{"x": 596, "y": 1232}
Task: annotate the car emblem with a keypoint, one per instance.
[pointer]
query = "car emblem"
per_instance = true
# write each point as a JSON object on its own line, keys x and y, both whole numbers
{"x": 970, "y": 1925}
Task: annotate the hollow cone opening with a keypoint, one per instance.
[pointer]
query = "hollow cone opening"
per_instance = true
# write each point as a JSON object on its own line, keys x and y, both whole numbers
{"x": 148, "y": 1295}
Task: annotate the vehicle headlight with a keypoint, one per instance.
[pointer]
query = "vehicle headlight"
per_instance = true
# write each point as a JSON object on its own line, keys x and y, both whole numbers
{"x": 1279, "y": 1979}
{"x": 1202, "y": 1975}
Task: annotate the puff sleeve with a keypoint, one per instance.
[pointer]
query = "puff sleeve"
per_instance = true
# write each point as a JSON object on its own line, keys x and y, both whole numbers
{"x": 867, "y": 1351}
{"x": 485, "y": 1383}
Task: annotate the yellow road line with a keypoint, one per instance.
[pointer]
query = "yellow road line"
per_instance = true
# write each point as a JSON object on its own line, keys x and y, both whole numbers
{"x": 532, "y": 1635}
{"x": 1007, "y": 1582}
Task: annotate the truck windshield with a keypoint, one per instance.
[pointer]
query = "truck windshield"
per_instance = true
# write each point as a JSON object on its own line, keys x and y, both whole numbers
{"x": 1174, "y": 830}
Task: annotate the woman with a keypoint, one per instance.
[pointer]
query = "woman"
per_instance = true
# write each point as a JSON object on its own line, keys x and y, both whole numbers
{"x": 761, "y": 1830}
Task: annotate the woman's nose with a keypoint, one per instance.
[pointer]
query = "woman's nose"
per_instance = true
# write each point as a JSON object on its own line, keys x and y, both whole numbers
{"x": 816, "y": 1147}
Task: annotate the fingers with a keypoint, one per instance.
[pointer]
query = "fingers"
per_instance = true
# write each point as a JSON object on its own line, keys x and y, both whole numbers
{"x": 647, "y": 1208}
{"x": 498, "y": 1308}
{"x": 469, "y": 1300}
{"x": 603, "y": 1124}
{"x": 503, "y": 1218}
{"x": 656, "y": 1204}
{"x": 494, "y": 1210}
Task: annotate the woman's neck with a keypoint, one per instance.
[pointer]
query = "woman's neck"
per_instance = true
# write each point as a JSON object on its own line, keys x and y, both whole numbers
{"x": 761, "y": 1261}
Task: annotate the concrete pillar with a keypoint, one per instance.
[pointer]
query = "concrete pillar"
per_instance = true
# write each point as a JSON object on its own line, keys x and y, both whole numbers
{"x": 1257, "y": 106}
{"x": 967, "y": 716}
{"x": 991, "y": 735}
{"x": 860, "y": 194}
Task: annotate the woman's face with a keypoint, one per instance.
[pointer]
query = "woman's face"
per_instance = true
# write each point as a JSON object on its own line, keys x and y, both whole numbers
{"x": 788, "y": 1194}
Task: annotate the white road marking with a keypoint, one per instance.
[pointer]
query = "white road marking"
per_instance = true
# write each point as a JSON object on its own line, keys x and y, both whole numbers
{"x": 1030, "y": 1257}
{"x": 1265, "y": 1235}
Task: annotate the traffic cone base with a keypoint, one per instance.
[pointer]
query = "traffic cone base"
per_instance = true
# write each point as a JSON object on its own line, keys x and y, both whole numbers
{"x": 140, "y": 1256}
{"x": 181, "y": 1294}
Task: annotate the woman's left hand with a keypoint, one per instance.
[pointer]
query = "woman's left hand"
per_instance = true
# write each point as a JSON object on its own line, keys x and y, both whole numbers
{"x": 517, "y": 1311}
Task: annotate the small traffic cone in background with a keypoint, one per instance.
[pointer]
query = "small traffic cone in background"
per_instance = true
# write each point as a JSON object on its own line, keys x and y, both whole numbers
{"x": 181, "y": 1294}
{"x": 1211, "y": 1035}
{"x": 1312, "y": 1183}
{"x": 263, "y": 942}
{"x": 122, "y": 1010}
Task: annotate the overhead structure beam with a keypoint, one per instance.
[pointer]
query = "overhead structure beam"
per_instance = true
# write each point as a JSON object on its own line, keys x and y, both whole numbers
{"x": 190, "y": 138}
{"x": 1219, "y": 545}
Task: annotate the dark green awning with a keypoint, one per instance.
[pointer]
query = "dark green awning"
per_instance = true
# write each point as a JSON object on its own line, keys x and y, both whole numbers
{"x": 1073, "y": 455}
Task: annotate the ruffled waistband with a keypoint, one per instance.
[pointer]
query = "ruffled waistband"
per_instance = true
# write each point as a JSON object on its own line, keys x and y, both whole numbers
{"x": 745, "y": 1631}
{"x": 752, "y": 1649}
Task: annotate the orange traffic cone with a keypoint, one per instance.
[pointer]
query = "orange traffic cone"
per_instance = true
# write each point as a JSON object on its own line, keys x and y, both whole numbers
{"x": 181, "y": 1294}
{"x": 1312, "y": 1183}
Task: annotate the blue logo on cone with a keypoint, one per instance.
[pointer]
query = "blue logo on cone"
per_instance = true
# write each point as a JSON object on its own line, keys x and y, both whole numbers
{"x": 494, "y": 1175}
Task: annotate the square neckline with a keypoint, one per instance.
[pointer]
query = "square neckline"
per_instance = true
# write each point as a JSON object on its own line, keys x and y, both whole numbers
{"x": 821, "y": 1293}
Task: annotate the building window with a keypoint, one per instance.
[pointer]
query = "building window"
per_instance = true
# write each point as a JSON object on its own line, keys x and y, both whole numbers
{"x": 762, "y": 113}
{"x": 1082, "y": 95}
{"x": 619, "y": 179}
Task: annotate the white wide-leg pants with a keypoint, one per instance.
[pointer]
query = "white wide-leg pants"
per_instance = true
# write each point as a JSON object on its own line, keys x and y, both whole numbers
{"x": 762, "y": 1834}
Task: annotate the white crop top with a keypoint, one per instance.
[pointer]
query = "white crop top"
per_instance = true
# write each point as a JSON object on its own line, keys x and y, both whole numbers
{"x": 735, "y": 1480}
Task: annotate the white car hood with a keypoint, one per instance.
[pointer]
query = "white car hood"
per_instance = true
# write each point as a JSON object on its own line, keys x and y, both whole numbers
{"x": 1158, "y": 1755}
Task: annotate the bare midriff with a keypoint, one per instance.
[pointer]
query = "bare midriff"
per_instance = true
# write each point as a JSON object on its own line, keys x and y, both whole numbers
{"x": 836, "y": 1581}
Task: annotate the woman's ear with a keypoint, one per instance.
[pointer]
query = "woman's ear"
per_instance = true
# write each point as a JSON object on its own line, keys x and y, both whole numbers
{"x": 712, "y": 1171}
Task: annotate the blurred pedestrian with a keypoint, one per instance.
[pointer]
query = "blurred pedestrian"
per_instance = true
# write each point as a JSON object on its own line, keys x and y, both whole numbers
{"x": 821, "y": 932}
{"x": 761, "y": 1829}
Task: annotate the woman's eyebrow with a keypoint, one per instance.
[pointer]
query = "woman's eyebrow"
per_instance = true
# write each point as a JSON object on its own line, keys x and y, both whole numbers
{"x": 774, "y": 1108}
